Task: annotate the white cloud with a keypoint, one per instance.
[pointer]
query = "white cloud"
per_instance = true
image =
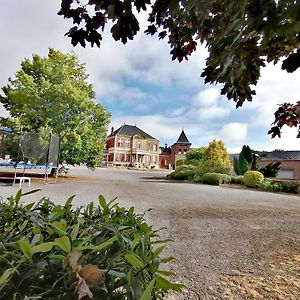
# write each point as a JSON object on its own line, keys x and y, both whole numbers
{"x": 208, "y": 97}
{"x": 233, "y": 133}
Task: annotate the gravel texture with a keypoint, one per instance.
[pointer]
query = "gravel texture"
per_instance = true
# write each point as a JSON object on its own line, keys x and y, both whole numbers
{"x": 229, "y": 243}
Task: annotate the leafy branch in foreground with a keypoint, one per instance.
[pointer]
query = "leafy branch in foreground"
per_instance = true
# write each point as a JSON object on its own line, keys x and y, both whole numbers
{"x": 102, "y": 251}
{"x": 241, "y": 37}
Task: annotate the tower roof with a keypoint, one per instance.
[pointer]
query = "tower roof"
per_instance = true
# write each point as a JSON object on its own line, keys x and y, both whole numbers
{"x": 183, "y": 139}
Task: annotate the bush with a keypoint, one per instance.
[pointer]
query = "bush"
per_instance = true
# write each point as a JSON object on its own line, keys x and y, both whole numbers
{"x": 289, "y": 186}
{"x": 185, "y": 167}
{"x": 215, "y": 178}
{"x": 271, "y": 170}
{"x": 50, "y": 251}
{"x": 179, "y": 162}
{"x": 253, "y": 178}
{"x": 182, "y": 175}
{"x": 237, "y": 179}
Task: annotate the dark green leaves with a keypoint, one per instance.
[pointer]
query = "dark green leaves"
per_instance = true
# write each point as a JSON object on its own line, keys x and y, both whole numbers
{"x": 43, "y": 247}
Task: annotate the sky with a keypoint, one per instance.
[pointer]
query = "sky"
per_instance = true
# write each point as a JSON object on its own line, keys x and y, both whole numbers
{"x": 140, "y": 84}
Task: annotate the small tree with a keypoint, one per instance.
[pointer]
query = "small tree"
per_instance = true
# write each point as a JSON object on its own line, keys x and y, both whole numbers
{"x": 216, "y": 159}
{"x": 194, "y": 156}
{"x": 246, "y": 161}
{"x": 271, "y": 169}
{"x": 52, "y": 95}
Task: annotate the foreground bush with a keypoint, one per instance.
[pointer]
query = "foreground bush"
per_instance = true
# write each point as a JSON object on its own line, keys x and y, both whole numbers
{"x": 183, "y": 172}
{"x": 253, "y": 178}
{"x": 215, "y": 178}
{"x": 50, "y": 251}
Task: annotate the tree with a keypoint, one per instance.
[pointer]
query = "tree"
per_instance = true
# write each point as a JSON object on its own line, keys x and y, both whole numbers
{"x": 271, "y": 169}
{"x": 241, "y": 37}
{"x": 51, "y": 95}
{"x": 215, "y": 159}
{"x": 247, "y": 160}
{"x": 194, "y": 156}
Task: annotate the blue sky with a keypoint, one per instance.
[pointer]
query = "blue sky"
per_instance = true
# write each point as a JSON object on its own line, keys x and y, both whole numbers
{"x": 140, "y": 84}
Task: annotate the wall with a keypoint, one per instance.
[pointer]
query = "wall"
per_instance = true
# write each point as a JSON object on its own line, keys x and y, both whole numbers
{"x": 293, "y": 165}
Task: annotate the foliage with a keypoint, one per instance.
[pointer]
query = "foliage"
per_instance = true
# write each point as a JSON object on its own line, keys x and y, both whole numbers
{"x": 9, "y": 145}
{"x": 194, "y": 155}
{"x": 287, "y": 114}
{"x": 253, "y": 178}
{"x": 179, "y": 162}
{"x": 183, "y": 172}
{"x": 271, "y": 169}
{"x": 101, "y": 251}
{"x": 215, "y": 178}
{"x": 215, "y": 159}
{"x": 279, "y": 186}
{"x": 51, "y": 94}
{"x": 240, "y": 39}
{"x": 237, "y": 179}
{"x": 247, "y": 160}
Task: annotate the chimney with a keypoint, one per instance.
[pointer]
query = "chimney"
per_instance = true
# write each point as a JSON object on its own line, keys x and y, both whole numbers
{"x": 112, "y": 130}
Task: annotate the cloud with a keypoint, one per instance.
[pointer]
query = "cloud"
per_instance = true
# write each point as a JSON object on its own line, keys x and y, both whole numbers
{"x": 233, "y": 133}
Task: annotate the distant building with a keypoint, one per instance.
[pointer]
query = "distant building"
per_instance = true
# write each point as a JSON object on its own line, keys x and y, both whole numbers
{"x": 169, "y": 155}
{"x": 131, "y": 146}
{"x": 290, "y": 162}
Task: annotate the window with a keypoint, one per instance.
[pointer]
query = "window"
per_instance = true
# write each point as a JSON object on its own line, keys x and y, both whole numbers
{"x": 138, "y": 145}
{"x": 126, "y": 144}
{"x": 119, "y": 143}
{"x": 154, "y": 147}
{"x": 179, "y": 151}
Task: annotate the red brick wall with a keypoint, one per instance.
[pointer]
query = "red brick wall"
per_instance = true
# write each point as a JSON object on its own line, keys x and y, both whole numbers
{"x": 286, "y": 165}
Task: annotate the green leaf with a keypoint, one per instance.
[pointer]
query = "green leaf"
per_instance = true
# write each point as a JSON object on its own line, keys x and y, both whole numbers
{"x": 158, "y": 251}
{"x": 165, "y": 273}
{"x": 75, "y": 231}
{"x": 60, "y": 227}
{"x": 97, "y": 248}
{"x": 134, "y": 260}
{"x": 116, "y": 274}
{"x": 167, "y": 259}
{"x": 102, "y": 202}
{"x": 31, "y": 192}
{"x": 69, "y": 201}
{"x": 166, "y": 285}
{"x": 147, "y": 294}
{"x": 23, "y": 225}
{"x": 25, "y": 247}
{"x": 6, "y": 275}
{"x": 44, "y": 247}
{"x": 162, "y": 241}
{"x": 64, "y": 243}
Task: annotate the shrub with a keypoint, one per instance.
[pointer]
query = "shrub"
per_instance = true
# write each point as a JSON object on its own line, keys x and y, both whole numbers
{"x": 289, "y": 186}
{"x": 253, "y": 178}
{"x": 185, "y": 167}
{"x": 182, "y": 175}
{"x": 237, "y": 179}
{"x": 215, "y": 178}
{"x": 271, "y": 169}
{"x": 215, "y": 159}
{"x": 179, "y": 162}
{"x": 103, "y": 251}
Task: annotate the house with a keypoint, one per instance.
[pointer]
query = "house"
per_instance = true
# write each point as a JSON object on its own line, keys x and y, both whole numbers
{"x": 131, "y": 146}
{"x": 169, "y": 155}
{"x": 290, "y": 162}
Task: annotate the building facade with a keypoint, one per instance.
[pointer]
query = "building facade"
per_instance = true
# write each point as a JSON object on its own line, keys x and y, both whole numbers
{"x": 169, "y": 155}
{"x": 131, "y": 146}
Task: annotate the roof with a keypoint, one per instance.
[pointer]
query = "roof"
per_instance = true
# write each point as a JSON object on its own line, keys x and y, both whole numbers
{"x": 183, "y": 139}
{"x": 131, "y": 130}
{"x": 280, "y": 155}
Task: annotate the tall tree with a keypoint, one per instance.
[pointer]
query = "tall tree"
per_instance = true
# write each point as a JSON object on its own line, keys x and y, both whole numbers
{"x": 240, "y": 36}
{"x": 52, "y": 95}
{"x": 215, "y": 159}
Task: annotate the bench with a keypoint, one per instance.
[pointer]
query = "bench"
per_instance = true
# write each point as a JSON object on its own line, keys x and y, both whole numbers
{"x": 22, "y": 180}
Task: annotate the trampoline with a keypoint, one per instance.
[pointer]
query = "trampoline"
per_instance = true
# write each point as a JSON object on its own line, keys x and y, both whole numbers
{"x": 29, "y": 151}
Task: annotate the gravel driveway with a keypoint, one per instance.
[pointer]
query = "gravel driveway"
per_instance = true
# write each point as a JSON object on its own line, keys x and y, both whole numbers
{"x": 230, "y": 243}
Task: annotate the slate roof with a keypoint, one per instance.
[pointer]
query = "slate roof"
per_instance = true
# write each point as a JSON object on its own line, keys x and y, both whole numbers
{"x": 131, "y": 130}
{"x": 280, "y": 155}
{"x": 183, "y": 139}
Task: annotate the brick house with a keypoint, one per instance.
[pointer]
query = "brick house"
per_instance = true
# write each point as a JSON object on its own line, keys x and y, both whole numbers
{"x": 290, "y": 162}
{"x": 169, "y": 155}
{"x": 131, "y": 146}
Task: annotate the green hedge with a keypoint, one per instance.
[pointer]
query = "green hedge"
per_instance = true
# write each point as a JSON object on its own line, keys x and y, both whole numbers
{"x": 239, "y": 179}
{"x": 253, "y": 178}
{"x": 279, "y": 186}
{"x": 182, "y": 175}
{"x": 215, "y": 178}
{"x": 102, "y": 251}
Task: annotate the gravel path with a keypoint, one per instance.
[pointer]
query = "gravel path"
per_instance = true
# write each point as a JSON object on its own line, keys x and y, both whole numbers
{"x": 229, "y": 243}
